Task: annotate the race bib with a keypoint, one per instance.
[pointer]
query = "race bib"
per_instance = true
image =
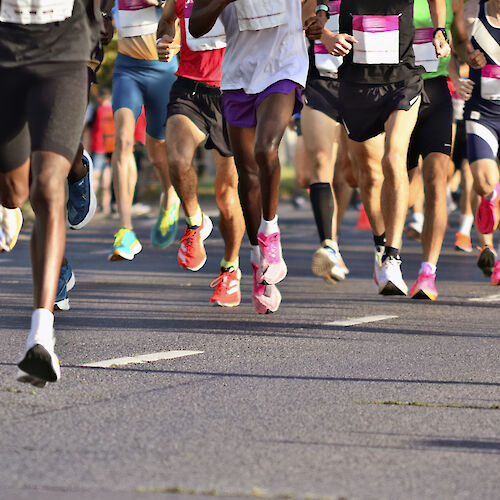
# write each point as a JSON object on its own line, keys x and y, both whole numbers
{"x": 490, "y": 82}
{"x": 136, "y": 18}
{"x": 425, "y": 53}
{"x": 326, "y": 63}
{"x": 214, "y": 39}
{"x": 255, "y": 15}
{"x": 35, "y": 11}
{"x": 378, "y": 39}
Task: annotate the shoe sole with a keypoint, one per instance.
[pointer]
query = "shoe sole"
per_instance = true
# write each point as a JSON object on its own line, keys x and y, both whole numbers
{"x": 262, "y": 308}
{"x": 486, "y": 262}
{"x": 222, "y": 304}
{"x": 93, "y": 200}
{"x": 322, "y": 266}
{"x": 461, "y": 249}
{"x": 391, "y": 289}
{"x": 62, "y": 305}
{"x": 117, "y": 255}
{"x": 423, "y": 295}
{"x": 37, "y": 362}
{"x": 274, "y": 281}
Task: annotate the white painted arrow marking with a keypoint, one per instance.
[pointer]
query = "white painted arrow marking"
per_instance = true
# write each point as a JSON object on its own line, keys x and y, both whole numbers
{"x": 142, "y": 358}
{"x": 489, "y": 298}
{"x": 359, "y": 321}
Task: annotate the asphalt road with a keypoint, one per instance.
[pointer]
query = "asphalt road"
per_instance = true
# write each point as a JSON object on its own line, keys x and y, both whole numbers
{"x": 282, "y": 405}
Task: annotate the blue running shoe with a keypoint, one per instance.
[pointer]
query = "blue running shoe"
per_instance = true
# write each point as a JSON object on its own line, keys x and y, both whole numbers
{"x": 126, "y": 245}
{"x": 165, "y": 229}
{"x": 82, "y": 201}
{"x": 66, "y": 283}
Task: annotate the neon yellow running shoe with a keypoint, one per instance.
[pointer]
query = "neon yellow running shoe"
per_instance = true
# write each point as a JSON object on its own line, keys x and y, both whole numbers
{"x": 11, "y": 222}
{"x": 126, "y": 245}
{"x": 164, "y": 231}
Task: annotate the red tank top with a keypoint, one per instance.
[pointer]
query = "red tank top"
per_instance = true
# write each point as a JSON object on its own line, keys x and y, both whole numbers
{"x": 202, "y": 66}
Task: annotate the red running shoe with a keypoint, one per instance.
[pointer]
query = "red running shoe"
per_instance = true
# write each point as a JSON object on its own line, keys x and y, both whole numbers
{"x": 191, "y": 254}
{"x": 227, "y": 288}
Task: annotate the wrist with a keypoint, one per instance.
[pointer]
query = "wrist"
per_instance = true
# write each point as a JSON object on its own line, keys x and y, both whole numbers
{"x": 323, "y": 10}
{"x": 443, "y": 33}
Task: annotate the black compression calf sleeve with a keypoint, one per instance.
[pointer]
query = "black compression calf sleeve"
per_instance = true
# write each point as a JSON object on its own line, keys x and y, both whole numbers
{"x": 322, "y": 203}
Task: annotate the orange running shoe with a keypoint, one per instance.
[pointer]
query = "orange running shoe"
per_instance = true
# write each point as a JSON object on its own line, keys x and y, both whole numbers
{"x": 191, "y": 254}
{"x": 227, "y": 288}
{"x": 463, "y": 243}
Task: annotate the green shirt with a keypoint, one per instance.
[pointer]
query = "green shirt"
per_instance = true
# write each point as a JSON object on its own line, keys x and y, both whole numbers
{"x": 422, "y": 21}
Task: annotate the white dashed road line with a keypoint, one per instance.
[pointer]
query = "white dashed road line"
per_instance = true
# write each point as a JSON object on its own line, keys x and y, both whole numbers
{"x": 358, "y": 321}
{"x": 139, "y": 359}
{"x": 489, "y": 298}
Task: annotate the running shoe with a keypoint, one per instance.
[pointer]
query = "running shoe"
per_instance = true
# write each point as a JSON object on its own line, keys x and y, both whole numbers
{"x": 191, "y": 254}
{"x": 424, "y": 287}
{"x": 265, "y": 298}
{"x": 272, "y": 266}
{"x": 487, "y": 213}
{"x": 227, "y": 288}
{"x": 327, "y": 264}
{"x": 495, "y": 275}
{"x": 11, "y": 222}
{"x": 39, "y": 363}
{"x": 486, "y": 260}
{"x": 390, "y": 279}
{"x": 82, "y": 201}
{"x": 126, "y": 245}
{"x": 377, "y": 267}
{"x": 66, "y": 284}
{"x": 165, "y": 229}
{"x": 463, "y": 243}
{"x": 414, "y": 231}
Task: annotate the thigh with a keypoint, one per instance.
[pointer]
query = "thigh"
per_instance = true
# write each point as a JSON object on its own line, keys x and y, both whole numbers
{"x": 243, "y": 146}
{"x": 225, "y": 170}
{"x": 127, "y": 92}
{"x": 156, "y": 90}
{"x": 399, "y": 127}
{"x": 183, "y": 137}
{"x": 482, "y": 140}
{"x": 56, "y": 108}
{"x": 368, "y": 154}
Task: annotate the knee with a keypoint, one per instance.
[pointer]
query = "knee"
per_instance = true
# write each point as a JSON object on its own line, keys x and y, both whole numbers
{"x": 124, "y": 143}
{"x": 13, "y": 195}
{"x": 226, "y": 197}
{"x": 370, "y": 177}
{"x": 177, "y": 165}
{"x": 394, "y": 165}
{"x": 48, "y": 191}
{"x": 266, "y": 155}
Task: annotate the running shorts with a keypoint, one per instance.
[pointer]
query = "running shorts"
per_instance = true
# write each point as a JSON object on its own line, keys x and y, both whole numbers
{"x": 201, "y": 103}
{"x": 364, "y": 108}
{"x": 322, "y": 94}
{"x": 137, "y": 82}
{"x": 433, "y": 130}
{"x": 483, "y": 135}
{"x": 43, "y": 109}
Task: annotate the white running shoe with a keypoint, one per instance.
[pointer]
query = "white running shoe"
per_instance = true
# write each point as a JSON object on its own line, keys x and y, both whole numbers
{"x": 11, "y": 222}
{"x": 377, "y": 267}
{"x": 390, "y": 279}
{"x": 39, "y": 363}
{"x": 326, "y": 263}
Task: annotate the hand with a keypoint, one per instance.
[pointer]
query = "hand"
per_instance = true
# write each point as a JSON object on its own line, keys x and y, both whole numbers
{"x": 166, "y": 48}
{"x": 441, "y": 46}
{"x": 108, "y": 30}
{"x": 313, "y": 26}
{"x": 341, "y": 44}
{"x": 464, "y": 88}
{"x": 475, "y": 58}
{"x": 152, "y": 2}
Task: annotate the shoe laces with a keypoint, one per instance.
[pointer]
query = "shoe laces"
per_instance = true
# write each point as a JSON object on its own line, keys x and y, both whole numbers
{"x": 189, "y": 235}
{"x": 272, "y": 248}
{"x": 222, "y": 280}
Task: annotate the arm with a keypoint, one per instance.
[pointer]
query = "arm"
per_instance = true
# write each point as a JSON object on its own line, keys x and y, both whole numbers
{"x": 314, "y": 20}
{"x": 437, "y": 9}
{"x": 204, "y": 15}
{"x": 475, "y": 58}
{"x": 166, "y": 44}
{"x": 459, "y": 32}
{"x": 463, "y": 86}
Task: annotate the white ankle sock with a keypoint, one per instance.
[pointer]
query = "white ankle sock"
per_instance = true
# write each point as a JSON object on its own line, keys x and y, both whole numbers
{"x": 42, "y": 328}
{"x": 492, "y": 196}
{"x": 269, "y": 226}
{"x": 466, "y": 222}
{"x": 196, "y": 219}
{"x": 427, "y": 266}
{"x": 255, "y": 254}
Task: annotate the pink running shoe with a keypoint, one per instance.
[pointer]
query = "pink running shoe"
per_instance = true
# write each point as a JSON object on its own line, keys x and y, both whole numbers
{"x": 487, "y": 213}
{"x": 424, "y": 287}
{"x": 272, "y": 266}
{"x": 495, "y": 277}
{"x": 265, "y": 298}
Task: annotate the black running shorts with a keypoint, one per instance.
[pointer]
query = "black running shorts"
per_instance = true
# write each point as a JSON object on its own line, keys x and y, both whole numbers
{"x": 202, "y": 105}
{"x": 432, "y": 133}
{"x": 322, "y": 94}
{"x": 364, "y": 108}
{"x": 43, "y": 109}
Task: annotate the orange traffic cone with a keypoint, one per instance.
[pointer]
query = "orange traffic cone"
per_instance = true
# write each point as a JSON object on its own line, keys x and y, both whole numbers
{"x": 363, "y": 222}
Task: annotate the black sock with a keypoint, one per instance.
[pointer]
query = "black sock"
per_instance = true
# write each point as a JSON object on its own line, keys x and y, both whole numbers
{"x": 322, "y": 203}
{"x": 379, "y": 240}
{"x": 390, "y": 252}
